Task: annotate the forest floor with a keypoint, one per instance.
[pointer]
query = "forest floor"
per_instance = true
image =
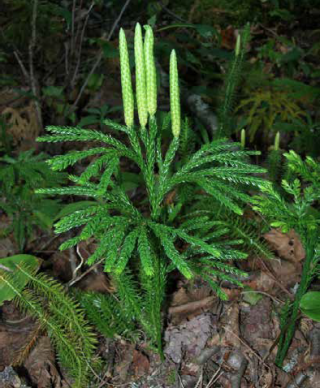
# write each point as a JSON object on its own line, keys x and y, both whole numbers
{"x": 207, "y": 342}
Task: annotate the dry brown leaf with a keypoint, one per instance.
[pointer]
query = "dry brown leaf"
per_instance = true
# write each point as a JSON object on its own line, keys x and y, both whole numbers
{"x": 230, "y": 323}
{"x": 187, "y": 304}
{"x": 122, "y": 366}
{"x": 41, "y": 367}
{"x": 288, "y": 245}
{"x": 15, "y": 331}
{"x": 190, "y": 337}
{"x": 23, "y": 124}
{"x": 140, "y": 364}
{"x": 256, "y": 324}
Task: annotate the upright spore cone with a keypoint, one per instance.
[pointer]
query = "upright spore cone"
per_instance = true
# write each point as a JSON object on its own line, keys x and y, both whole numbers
{"x": 141, "y": 91}
{"x": 126, "y": 85}
{"x": 174, "y": 95}
{"x": 151, "y": 76}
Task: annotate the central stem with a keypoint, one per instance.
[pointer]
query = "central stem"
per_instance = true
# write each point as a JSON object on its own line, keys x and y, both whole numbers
{"x": 287, "y": 332}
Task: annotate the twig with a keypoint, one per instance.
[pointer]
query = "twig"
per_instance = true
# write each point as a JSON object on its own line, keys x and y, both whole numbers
{"x": 236, "y": 378}
{"x": 276, "y": 280}
{"x": 23, "y": 69}
{"x": 73, "y": 281}
{"x": 215, "y": 377}
{"x": 72, "y": 25}
{"x": 96, "y": 64}
{"x": 200, "y": 381}
{"x": 171, "y": 13}
{"x": 249, "y": 347}
{"x": 73, "y": 262}
{"x": 16, "y": 54}
{"x": 192, "y": 306}
{"x": 206, "y": 354}
{"x": 180, "y": 381}
{"x": 32, "y": 45}
{"x": 298, "y": 381}
{"x": 73, "y": 80}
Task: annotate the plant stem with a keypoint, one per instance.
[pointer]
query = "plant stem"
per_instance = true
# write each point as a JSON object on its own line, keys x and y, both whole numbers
{"x": 157, "y": 306}
{"x": 288, "y": 330}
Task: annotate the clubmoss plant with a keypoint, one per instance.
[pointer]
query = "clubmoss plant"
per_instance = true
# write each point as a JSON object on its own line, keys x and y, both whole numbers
{"x": 299, "y": 211}
{"x": 56, "y": 313}
{"x": 139, "y": 243}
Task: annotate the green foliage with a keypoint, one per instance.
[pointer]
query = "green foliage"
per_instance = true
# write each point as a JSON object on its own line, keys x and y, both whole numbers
{"x": 310, "y": 305}
{"x": 19, "y": 177}
{"x": 106, "y": 314}
{"x": 19, "y": 14}
{"x": 11, "y": 264}
{"x": 266, "y": 108}
{"x": 299, "y": 212}
{"x": 57, "y": 313}
{"x": 231, "y": 83}
{"x": 137, "y": 241}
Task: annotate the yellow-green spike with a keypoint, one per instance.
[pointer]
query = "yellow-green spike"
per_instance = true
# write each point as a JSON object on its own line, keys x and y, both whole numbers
{"x": 238, "y": 45}
{"x": 174, "y": 95}
{"x": 151, "y": 76}
{"x": 126, "y": 85}
{"x": 140, "y": 77}
{"x": 277, "y": 142}
{"x": 243, "y": 138}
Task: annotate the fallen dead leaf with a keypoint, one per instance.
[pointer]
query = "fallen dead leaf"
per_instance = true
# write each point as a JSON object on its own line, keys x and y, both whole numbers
{"x": 187, "y": 304}
{"x": 140, "y": 364}
{"x": 41, "y": 366}
{"x": 15, "y": 331}
{"x": 189, "y": 337}
{"x": 123, "y": 364}
{"x": 287, "y": 245}
{"x": 230, "y": 323}
{"x": 256, "y": 324}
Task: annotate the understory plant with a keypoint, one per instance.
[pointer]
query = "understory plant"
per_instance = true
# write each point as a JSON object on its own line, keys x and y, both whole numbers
{"x": 20, "y": 176}
{"x": 138, "y": 240}
{"x": 298, "y": 209}
{"x": 55, "y": 313}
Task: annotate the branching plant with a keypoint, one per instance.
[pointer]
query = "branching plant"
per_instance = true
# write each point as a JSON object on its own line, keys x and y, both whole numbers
{"x": 140, "y": 244}
{"x": 302, "y": 215}
{"x": 57, "y": 313}
{"x": 231, "y": 83}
